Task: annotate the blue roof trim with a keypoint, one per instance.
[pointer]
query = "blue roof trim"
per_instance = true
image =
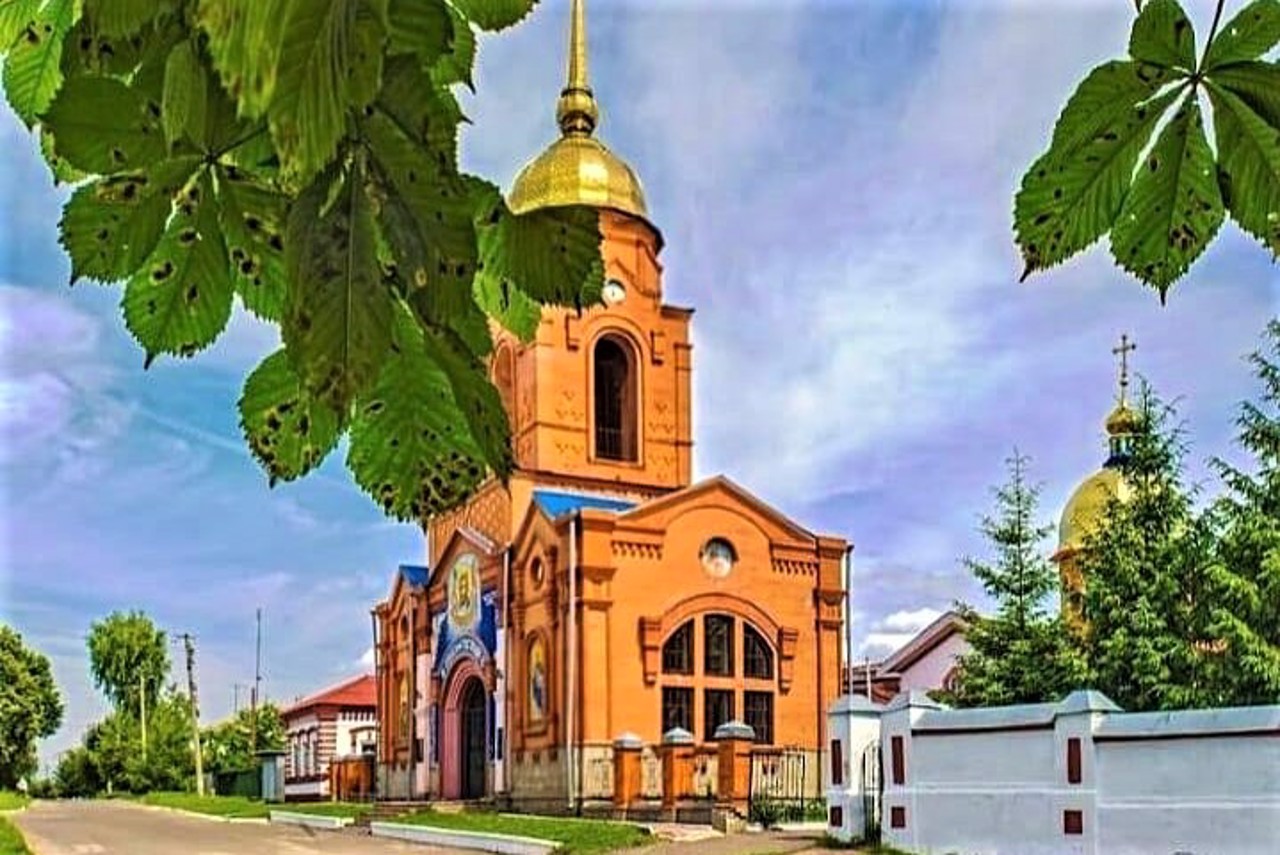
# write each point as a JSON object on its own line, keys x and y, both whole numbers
{"x": 555, "y": 503}
{"x": 415, "y": 575}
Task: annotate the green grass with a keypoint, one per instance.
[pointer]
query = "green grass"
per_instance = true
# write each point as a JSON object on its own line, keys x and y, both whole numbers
{"x": 11, "y": 842}
{"x": 237, "y": 807}
{"x": 12, "y": 801}
{"x": 573, "y": 835}
{"x": 350, "y": 809}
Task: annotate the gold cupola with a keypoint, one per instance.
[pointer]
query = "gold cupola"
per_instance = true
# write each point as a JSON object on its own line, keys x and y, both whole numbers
{"x": 1088, "y": 504}
{"x": 578, "y": 169}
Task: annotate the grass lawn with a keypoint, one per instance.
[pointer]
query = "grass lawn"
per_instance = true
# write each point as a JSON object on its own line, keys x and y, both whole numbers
{"x": 573, "y": 835}
{"x": 237, "y": 807}
{"x": 350, "y": 809}
{"x": 11, "y": 842}
{"x": 12, "y": 801}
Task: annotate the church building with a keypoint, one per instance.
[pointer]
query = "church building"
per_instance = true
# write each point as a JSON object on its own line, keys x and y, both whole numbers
{"x": 601, "y": 595}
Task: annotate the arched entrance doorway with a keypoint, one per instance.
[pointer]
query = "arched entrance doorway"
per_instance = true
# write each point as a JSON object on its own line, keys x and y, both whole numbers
{"x": 472, "y": 749}
{"x": 464, "y": 745}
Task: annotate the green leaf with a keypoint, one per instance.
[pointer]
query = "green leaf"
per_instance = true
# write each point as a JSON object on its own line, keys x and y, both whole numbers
{"x": 420, "y": 27}
{"x": 245, "y": 44}
{"x": 1249, "y": 162}
{"x": 15, "y": 15}
{"x": 478, "y": 398}
{"x": 1070, "y": 198}
{"x": 32, "y": 72}
{"x": 185, "y": 91}
{"x": 1105, "y": 97}
{"x": 495, "y": 14}
{"x": 425, "y": 114}
{"x": 86, "y": 51}
{"x": 455, "y": 66}
{"x": 325, "y": 69}
{"x": 181, "y": 298}
{"x": 1254, "y": 31}
{"x": 123, "y": 17}
{"x": 337, "y": 322}
{"x": 253, "y": 220}
{"x": 411, "y": 449}
{"x": 104, "y": 126}
{"x": 1255, "y": 83}
{"x": 551, "y": 254}
{"x": 512, "y": 308}
{"x": 111, "y": 226}
{"x": 1175, "y": 208}
{"x": 1162, "y": 35}
{"x": 63, "y": 172}
{"x": 288, "y": 431}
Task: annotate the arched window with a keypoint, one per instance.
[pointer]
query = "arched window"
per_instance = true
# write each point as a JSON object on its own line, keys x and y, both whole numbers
{"x": 615, "y": 400}
{"x": 677, "y": 653}
{"x": 718, "y": 645}
{"x": 757, "y": 658}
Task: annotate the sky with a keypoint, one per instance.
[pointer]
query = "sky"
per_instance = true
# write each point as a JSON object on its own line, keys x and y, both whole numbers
{"x": 834, "y": 180}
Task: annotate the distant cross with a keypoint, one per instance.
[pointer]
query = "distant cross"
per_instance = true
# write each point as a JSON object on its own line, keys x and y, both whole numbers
{"x": 1126, "y": 347}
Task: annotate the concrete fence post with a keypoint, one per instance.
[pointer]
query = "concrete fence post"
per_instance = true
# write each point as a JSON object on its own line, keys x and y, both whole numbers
{"x": 677, "y": 766}
{"x": 734, "y": 740}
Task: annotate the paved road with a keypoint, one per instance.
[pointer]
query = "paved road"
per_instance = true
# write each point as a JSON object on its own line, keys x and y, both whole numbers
{"x": 120, "y": 828}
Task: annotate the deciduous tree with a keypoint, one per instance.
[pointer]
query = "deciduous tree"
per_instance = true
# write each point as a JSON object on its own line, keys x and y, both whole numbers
{"x": 128, "y": 655}
{"x": 301, "y": 157}
{"x": 30, "y": 706}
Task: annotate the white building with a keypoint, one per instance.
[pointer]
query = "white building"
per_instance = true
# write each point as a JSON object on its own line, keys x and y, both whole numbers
{"x": 925, "y": 663}
{"x": 337, "y": 723}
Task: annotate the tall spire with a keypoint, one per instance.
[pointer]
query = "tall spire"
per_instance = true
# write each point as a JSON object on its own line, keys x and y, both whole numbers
{"x": 576, "y": 111}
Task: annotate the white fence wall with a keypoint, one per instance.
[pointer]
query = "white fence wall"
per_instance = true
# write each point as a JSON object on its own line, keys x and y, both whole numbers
{"x": 1078, "y": 777}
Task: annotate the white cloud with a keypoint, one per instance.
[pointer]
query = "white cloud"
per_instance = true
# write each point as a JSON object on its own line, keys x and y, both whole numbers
{"x": 367, "y": 660}
{"x": 910, "y": 621}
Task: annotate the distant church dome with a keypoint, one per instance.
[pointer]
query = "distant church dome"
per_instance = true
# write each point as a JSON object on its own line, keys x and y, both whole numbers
{"x": 578, "y": 169}
{"x": 1087, "y": 506}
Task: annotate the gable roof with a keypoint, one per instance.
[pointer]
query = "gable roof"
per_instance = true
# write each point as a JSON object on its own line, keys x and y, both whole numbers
{"x": 745, "y": 496}
{"x": 414, "y": 574}
{"x": 943, "y": 627}
{"x": 555, "y": 503}
{"x": 359, "y": 691}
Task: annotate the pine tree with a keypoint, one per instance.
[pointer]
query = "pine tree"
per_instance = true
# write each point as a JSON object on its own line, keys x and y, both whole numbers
{"x": 1248, "y": 551}
{"x": 1020, "y": 654}
{"x": 1151, "y": 590}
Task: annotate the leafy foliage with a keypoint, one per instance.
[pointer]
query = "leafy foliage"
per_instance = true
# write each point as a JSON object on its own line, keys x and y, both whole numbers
{"x": 30, "y": 706}
{"x": 128, "y": 656}
{"x": 226, "y": 746}
{"x": 1019, "y": 654}
{"x": 1162, "y": 202}
{"x": 115, "y": 760}
{"x": 301, "y": 156}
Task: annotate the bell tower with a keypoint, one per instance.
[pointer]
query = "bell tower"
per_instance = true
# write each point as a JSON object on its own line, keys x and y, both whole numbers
{"x": 600, "y": 398}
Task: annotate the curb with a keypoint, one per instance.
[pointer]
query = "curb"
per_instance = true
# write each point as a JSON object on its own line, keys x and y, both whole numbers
{"x": 310, "y": 820}
{"x": 507, "y": 844}
{"x": 206, "y": 816}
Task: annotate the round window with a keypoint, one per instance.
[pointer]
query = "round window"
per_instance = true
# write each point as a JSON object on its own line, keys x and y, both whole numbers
{"x": 537, "y": 572}
{"x": 718, "y": 557}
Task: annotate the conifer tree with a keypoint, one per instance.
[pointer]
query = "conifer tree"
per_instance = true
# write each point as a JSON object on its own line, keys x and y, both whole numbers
{"x": 1247, "y": 619}
{"x": 1151, "y": 594}
{"x": 1020, "y": 654}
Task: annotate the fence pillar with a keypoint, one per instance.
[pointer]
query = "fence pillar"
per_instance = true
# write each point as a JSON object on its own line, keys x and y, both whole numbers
{"x": 677, "y": 766}
{"x": 626, "y": 770}
{"x": 734, "y": 740}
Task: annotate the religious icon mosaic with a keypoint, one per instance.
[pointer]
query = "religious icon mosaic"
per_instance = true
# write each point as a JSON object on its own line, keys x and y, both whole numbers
{"x": 537, "y": 680}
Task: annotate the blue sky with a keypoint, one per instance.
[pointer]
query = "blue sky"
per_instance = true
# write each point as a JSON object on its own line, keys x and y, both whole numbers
{"x": 834, "y": 180}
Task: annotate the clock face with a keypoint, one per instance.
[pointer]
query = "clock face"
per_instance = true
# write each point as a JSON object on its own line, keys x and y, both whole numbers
{"x": 614, "y": 292}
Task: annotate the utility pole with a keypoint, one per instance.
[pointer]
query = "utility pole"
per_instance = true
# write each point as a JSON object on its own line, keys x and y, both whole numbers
{"x": 257, "y": 686}
{"x": 142, "y": 704}
{"x": 189, "y": 643}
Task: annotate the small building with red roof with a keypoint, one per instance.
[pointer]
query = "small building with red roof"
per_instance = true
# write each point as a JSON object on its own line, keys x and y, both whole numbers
{"x": 336, "y": 724}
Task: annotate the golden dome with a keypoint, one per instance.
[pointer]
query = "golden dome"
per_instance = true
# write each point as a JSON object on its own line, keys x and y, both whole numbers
{"x": 1088, "y": 506}
{"x": 1123, "y": 420}
{"x": 578, "y": 169}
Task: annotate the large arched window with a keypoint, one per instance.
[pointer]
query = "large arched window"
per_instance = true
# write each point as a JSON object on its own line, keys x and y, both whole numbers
{"x": 731, "y": 676}
{"x": 615, "y": 400}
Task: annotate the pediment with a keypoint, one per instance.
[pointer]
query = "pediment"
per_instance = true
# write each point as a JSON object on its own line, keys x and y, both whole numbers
{"x": 465, "y": 539}
{"x": 722, "y": 493}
